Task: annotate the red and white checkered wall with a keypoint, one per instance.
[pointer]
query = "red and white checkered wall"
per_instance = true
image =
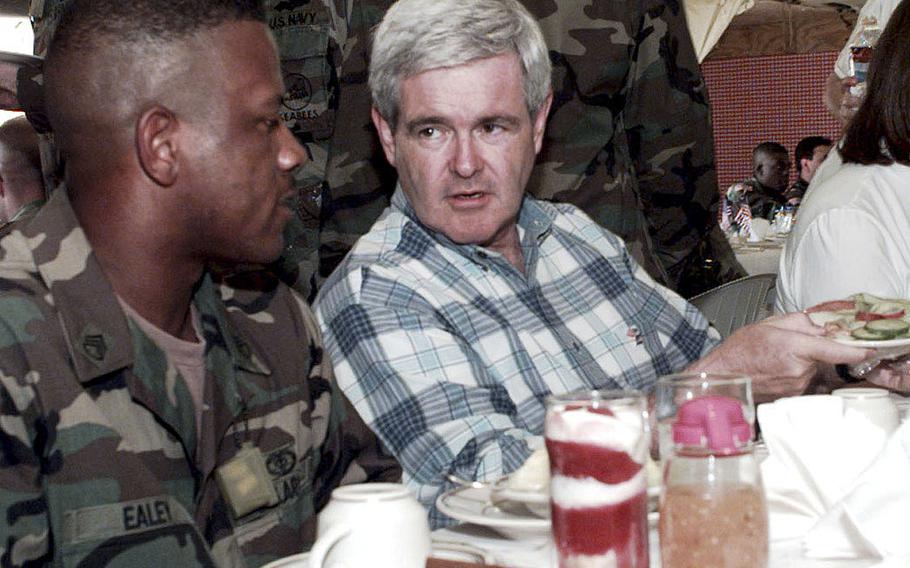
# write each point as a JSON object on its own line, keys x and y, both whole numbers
{"x": 757, "y": 99}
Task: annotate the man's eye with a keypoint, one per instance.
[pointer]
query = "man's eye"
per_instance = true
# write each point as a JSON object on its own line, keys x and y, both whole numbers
{"x": 272, "y": 123}
{"x": 428, "y": 133}
{"x": 491, "y": 128}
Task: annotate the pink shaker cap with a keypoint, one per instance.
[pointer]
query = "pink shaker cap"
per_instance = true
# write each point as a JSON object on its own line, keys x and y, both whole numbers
{"x": 714, "y": 422}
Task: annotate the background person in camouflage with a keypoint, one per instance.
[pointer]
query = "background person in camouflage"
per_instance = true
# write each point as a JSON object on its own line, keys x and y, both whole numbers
{"x": 21, "y": 189}
{"x": 629, "y": 138}
{"x": 148, "y": 411}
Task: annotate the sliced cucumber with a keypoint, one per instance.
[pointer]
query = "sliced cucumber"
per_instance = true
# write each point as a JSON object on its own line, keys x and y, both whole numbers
{"x": 889, "y": 328}
{"x": 867, "y": 334}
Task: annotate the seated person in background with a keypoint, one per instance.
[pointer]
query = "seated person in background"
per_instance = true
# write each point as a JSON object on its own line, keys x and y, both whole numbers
{"x": 470, "y": 301}
{"x": 761, "y": 193}
{"x": 838, "y": 100}
{"x": 852, "y": 233}
{"x": 809, "y": 155}
{"x": 21, "y": 189}
{"x": 149, "y": 411}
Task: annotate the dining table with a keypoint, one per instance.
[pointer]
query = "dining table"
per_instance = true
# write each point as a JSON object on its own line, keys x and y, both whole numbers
{"x": 759, "y": 257}
{"x": 538, "y": 552}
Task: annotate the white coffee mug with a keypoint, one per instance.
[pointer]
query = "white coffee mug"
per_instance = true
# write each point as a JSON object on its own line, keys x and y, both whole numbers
{"x": 874, "y": 404}
{"x": 371, "y": 524}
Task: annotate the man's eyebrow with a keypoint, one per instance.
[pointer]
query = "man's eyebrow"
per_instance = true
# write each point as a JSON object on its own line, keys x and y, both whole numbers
{"x": 508, "y": 119}
{"x": 424, "y": 121}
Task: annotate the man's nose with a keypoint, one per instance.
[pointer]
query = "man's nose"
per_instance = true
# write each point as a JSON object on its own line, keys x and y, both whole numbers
{"x": 292, "y": 154}
{"x": 467, "y": 160}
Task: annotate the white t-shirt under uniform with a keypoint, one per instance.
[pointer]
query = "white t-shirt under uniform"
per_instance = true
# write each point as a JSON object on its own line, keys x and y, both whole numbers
{"x": 852, "y": 234}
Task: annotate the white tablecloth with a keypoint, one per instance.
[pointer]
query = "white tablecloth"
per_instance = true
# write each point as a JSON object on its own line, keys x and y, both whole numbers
{"x": 539, "y": 552}
{"x": 759, "y": 258}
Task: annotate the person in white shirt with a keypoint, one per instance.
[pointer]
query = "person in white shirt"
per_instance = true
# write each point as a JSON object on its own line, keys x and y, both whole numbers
{"x": 852, "y": 233}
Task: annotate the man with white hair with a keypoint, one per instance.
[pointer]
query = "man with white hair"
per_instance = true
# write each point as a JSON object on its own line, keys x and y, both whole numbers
{"x": 469, "y": 301}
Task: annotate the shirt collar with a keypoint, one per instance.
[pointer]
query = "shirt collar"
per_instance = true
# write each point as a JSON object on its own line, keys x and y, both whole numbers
{"x": 96, "y": 330}
{"x": 534, "y": 223}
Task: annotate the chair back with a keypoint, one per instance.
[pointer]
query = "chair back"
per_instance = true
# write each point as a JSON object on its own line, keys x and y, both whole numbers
{"x": 732, "y": 305}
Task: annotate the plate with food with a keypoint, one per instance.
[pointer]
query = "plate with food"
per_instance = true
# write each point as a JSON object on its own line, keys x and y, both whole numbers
{"x": 865, "y": 320}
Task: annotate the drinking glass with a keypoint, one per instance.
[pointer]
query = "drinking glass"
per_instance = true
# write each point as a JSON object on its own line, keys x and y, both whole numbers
{"x": 674, "y": 390}
{"x": 783, "y": 217}
{"x": 712, "y": 505}
{"x": 598, "y": 446}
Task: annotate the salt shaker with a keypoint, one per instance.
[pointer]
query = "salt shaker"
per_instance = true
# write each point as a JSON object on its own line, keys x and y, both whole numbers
{"x": 712, "y": 508}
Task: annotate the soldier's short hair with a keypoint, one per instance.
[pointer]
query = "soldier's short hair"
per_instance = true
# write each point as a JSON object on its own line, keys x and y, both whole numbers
{"x": 101, "y": 46}
{"x": 421, "y": 35}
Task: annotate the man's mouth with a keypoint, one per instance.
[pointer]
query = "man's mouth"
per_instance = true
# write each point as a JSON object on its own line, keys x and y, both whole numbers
{"x": 468, "y": 196}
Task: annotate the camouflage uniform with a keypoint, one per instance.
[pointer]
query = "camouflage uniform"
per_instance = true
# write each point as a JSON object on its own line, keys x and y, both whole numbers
{"x": 101, "y": 460}
{"x": 323, "y": 46}
{"x": 629, "y": 137}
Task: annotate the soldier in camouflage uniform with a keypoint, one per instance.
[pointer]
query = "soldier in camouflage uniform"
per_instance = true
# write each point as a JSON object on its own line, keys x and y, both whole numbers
{"x": 115, "y": 449}
{"x": 629, "y": 137}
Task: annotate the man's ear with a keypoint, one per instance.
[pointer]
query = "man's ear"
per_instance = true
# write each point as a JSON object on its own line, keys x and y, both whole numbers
{"x": 386, "y": 135}
{"x": 156, "y": 144}
{"x": 540, "y": 122}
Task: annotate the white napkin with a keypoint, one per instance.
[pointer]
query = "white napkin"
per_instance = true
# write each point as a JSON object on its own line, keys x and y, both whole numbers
{"x": 872, "y": 520}
{"x": 759, "y": 229}
{"x": 816, "y": 453}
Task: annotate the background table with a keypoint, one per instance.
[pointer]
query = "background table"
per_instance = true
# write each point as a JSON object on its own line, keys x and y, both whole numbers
{"x": 762, "y": 257}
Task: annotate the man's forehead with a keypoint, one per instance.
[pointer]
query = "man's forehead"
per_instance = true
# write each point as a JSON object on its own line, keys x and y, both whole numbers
{"x": 482, "y": 87}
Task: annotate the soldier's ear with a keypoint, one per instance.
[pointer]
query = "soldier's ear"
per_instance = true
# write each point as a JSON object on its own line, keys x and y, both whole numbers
{"x": 540, "y": 122}
{"x": 156, "y": 144}
{"x": 386, "y": 135}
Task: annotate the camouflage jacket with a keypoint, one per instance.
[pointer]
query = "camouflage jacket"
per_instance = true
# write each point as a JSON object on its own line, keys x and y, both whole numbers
{"x": 101, "y": 461}
{"x": 629, "y": 136}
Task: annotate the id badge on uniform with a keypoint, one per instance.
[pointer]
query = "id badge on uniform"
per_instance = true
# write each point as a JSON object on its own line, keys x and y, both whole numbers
{"x": 245, "y": 481}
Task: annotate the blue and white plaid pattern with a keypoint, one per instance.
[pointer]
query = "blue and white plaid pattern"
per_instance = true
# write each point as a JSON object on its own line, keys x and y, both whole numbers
{"x": 448, "y": 352}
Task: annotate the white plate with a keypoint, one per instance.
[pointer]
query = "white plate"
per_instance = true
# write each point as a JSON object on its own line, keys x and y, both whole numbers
{"x": 538, "y": 502}
{"x": 877, "y": 344}
{"x": 473, "y": 505}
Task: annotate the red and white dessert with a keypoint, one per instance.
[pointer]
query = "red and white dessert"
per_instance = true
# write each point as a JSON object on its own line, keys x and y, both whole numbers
{"x": 598, "y": 486}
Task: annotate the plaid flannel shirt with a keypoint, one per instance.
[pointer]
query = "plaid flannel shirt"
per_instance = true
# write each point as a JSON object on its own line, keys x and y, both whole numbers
{"x": 448, "y": 351}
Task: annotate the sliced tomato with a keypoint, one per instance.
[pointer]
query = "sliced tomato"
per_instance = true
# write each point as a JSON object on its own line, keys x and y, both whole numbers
{"x": 869, "y": 316}
{"x": 832, "y": 306}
